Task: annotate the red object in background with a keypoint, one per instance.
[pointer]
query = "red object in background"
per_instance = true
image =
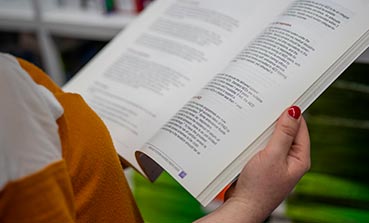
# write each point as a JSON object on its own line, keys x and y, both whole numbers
{"x": 140, "y": 4}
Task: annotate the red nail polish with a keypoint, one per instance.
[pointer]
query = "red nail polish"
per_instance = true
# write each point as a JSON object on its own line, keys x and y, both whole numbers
{"x": 294, "y": 112}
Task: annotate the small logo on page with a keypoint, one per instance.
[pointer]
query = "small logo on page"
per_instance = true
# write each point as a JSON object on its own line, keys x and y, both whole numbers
{"x": 182, "y": 174}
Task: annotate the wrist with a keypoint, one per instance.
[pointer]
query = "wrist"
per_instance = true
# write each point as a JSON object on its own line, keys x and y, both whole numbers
{"x": 247, "y": 210}
{"x": 236, "y": 211}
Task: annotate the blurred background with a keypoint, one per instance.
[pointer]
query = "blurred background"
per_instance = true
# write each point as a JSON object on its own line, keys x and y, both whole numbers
{"x": 61, "y": 36}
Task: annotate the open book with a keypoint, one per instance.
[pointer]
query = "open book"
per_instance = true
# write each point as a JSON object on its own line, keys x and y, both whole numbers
{"x": 194, "y": 87}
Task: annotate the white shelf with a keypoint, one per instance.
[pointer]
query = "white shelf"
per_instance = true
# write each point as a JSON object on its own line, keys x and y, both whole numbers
{"x": 13, "y": 18}
{"x": 77, "y": 23}
{"x": 45, "y": 19}
{"x": 84, "y": 24}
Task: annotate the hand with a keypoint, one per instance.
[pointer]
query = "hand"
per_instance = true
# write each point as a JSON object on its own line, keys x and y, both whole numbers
{"x": 271, "y": 174}
{"x": 28, "y": 130}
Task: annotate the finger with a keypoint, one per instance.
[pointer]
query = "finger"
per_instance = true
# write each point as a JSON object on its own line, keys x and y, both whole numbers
{"x": 285, "y": 132}
{"x": 301, "y": 147}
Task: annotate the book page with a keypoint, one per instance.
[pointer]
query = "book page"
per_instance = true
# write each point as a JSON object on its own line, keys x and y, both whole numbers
{"x": 271, "y": 73}
{"x": 150, "y": 70}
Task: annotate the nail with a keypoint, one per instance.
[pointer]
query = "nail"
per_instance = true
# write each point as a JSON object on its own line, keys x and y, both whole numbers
{"x": 294, "y": 112}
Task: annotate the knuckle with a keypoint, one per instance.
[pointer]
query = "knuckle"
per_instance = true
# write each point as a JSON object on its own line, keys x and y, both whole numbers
{"x": 305, "y": 167}
{"x": 308, "y": 166}
{"x": 288, "y": 130}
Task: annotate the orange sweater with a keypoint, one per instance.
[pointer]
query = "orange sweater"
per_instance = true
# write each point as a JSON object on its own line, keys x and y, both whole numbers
{"x": 87, "y": 186}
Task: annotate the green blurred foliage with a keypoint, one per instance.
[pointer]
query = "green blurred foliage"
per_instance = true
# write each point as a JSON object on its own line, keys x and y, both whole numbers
{"x": 165, "y": 201}
{"x": 337, "y": 187}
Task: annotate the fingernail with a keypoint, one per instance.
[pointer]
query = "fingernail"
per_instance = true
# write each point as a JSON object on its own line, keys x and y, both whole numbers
{"x": 294, "y": 112}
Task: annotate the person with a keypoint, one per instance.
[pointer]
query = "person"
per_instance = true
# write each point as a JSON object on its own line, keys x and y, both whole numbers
{"x": 58, "y": 162}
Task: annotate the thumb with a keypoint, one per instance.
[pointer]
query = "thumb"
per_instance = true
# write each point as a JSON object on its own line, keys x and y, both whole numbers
{"x": 285, "y": 131}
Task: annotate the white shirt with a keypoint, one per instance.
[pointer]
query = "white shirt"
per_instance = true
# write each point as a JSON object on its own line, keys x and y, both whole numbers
{"x": 29, "y": 138}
